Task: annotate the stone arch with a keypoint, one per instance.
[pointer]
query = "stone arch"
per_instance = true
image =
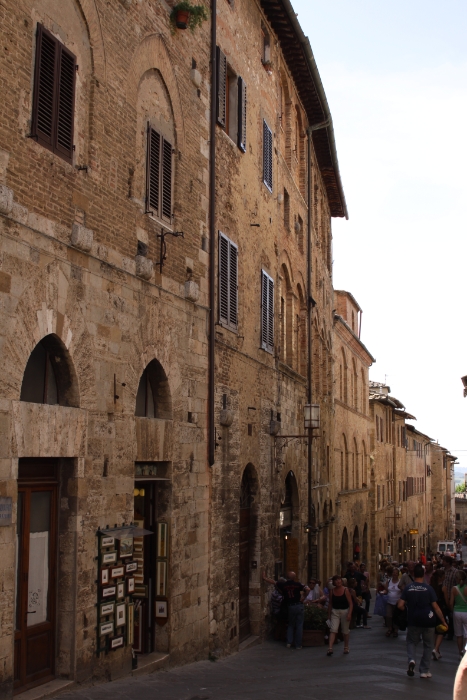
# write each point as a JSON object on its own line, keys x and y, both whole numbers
{"x": 345, "y": 464}
{"x": 365, "y": 544}
{"x": 152, "y": 54}
{"x": 287, "y": 320}
{"x": 48, "y": 307}
{"x": 153, "y": 398}
{"x": 355, "y": 542}
{"x": 249, "y": 549}
{"x": 93, "y": 22}
{"x": 49, "y": 376}
{"x": 355, "y": 464}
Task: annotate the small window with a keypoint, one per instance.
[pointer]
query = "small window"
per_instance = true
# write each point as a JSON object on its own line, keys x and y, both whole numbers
{"x": 54, "y": 95}
{"x": 267, "y": 156}
{"x": 266, "y": 46}
{"x": 39, "y": 382}
{"x": 300, "y": 233}
{"x": 286, "y": 210}
{"x": 159, "y": 180}
{"x": 231, "y": 101}
{"x": 228, "y": 282}
{"x": 267, "y": 312}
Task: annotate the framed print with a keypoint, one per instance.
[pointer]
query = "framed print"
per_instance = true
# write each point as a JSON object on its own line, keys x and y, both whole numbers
{"x": 104, "y": 576}
{"x": 117, "y": 571}
{"x": 120, "y": 614}
{"x": 130, "y": 585}
{"x": 161, "y": 608}
{"x": 109, "y": 557}
{"x": 109, "y": 592}
{"x": 140, "y": 591}
{"x": 131, "y": 566}
{"x": 162, "y": 532}
{"x": 126, "y": 547}
{"x": 116, "y": 642}
{"x": 161, "y": 578}
{"x": 130, "y": 629}
{"x": 120, "y": 590}
{"x": 107, "y": 542}
{"x": 106, "y": 609}
{"x": 106, "y": 628}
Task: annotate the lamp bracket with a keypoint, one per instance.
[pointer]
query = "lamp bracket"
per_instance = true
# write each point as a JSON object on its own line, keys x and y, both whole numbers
{"x": 163, "y": 251}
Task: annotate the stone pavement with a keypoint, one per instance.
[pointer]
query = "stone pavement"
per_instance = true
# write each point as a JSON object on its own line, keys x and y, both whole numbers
{"x": 375, "y": 667}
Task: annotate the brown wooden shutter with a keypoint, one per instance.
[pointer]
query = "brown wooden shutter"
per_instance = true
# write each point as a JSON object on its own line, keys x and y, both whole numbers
{"x": 221, "y": 87}
{"x": 233, "y": 285}
{"x": 223, "y": 279}
{"x": 271, "y": 314}
{"x": 267, "y": 156}
{"x": 153, "y": 168}
{"x": 241, "y": 115}
{"x": 65, "y": 103}
{"x": 166, "y": 207}
{"x": 267, "y": 312}
{"x": 54, "y": 95}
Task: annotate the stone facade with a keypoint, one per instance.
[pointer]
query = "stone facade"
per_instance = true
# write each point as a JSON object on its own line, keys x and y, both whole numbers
{"x": 461, "y": 518}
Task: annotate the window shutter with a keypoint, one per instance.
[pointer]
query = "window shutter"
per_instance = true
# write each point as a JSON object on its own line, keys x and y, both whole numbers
{"x": 242, "y": 115}
{"x": 65, "y": 102}
{"x": 233, "y": 285}
{"x": 223, "y": 279}
{"x": 153, "y": 168}
{"x": 221, "y": 87}
{"x": 44, "y": 87}
{"x": 167, "y": 181}
{"x": 267, "y": 156}
{"x": 267, "y": 312}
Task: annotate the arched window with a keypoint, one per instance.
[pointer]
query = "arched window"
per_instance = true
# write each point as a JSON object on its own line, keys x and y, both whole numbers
{"x": 356, "y": 465}
{"x": 364, "y": 393}
{"x": 355, "y": 385}
{"x": 287, "y": 319}
{"x": 153, "y": 398}
{"x": 346, "y": 464}
{"x": 49, "y": 376}
{"x": 345, "y": 377}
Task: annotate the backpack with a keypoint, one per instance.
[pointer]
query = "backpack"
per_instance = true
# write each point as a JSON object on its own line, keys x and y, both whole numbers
{"x": 276, "y": 601}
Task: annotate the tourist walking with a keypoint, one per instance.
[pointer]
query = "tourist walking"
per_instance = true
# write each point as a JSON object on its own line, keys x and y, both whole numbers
{"x": 339, "y": 613}
{"x": 458, "y": 605}
{"x": 422, "y": 610}
{"x": 450, "y": 572}
{"x": 292, "y": 589}
{"x": 437, "y": 583}
{"x": 365, "y": 587}
{"x": 357, "y": 607}
{"x": 394, "y": 593}
{"x": 408, "y": 576}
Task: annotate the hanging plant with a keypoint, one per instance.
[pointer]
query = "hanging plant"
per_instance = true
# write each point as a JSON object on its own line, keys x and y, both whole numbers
{"x": 185, "y": 15}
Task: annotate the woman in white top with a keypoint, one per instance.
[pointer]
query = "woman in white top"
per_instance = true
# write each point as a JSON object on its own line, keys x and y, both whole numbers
{"x": 394, "y": 593}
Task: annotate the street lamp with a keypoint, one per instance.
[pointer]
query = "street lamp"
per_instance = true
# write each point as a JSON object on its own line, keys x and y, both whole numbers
{"x": 312, "y": 415}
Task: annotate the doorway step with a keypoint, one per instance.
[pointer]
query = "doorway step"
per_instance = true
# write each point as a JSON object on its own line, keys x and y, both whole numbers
{"x": 46, "y": 690}
{"x": 148, "y": 663}
{"x": 250, "y": 641}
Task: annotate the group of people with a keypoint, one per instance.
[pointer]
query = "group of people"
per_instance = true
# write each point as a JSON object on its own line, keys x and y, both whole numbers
{"x": 427, "y": 599}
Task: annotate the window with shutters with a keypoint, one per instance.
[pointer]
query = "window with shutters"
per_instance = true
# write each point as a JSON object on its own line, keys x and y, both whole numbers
{"x": 54, "y": 95}
{"x": 231, "y": 101}
{"x": 267, "y": 312}
{"x": 267, "y": 156}
{"x": 228, "y": 282}
{"x": 159, "y": 176}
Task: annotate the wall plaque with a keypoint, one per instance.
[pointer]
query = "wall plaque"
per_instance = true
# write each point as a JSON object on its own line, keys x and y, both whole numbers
{"x": 6, "y": 509}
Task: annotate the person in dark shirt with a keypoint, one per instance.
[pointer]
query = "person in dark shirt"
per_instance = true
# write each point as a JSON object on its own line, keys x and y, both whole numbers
{"x": 292, "y": 590}
{"x": 422, "y": 611}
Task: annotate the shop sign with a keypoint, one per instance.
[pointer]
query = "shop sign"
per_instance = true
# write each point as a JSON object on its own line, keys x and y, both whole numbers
{"x": 6, "y": 509}
{"x": 413, "y": 532}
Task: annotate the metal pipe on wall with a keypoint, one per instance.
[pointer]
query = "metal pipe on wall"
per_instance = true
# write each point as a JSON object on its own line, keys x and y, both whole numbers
{"x": 310, "y": 303}
{"x": 212, "y": 237}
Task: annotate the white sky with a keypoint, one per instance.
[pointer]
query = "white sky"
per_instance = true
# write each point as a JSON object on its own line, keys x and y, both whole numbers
{"x": 395, "y": 75}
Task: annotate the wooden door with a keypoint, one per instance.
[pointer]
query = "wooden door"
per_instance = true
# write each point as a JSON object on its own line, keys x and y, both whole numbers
{"x": 35, "y": 584}
{"x": 244, "y": 570}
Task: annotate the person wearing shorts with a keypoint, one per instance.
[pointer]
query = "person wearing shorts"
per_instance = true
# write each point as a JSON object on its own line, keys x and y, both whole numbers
{"x": 339, "y": 613}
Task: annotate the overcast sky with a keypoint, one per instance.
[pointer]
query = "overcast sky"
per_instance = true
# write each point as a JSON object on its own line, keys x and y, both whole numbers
{"x": 395, "y": 75}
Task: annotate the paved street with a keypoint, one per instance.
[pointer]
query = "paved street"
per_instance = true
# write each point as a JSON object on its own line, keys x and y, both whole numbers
{"x": 375, "y": 667}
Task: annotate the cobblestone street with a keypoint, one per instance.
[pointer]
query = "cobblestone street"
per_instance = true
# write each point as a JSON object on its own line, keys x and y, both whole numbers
{"x": 375, "y": 667}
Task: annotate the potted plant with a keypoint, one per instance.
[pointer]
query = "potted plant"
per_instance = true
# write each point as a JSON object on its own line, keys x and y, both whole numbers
{"x": 314, "y": 627}
{"x": 184, "y": 15}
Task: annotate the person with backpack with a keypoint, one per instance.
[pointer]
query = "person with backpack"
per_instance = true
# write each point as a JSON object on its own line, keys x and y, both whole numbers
{"x": 422, "y": 611}
{"x": 458, "y": 605}
{"x": 292, "y": 590}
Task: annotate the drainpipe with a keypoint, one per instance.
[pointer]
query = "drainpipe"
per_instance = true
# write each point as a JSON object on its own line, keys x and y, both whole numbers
{"x": 212, "y": 235}
{"x": 310, "y": 304}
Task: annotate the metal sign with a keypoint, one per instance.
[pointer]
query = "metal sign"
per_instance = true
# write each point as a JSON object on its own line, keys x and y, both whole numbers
{"x": 413, "y": 532}
{"x": 6, "y": 509}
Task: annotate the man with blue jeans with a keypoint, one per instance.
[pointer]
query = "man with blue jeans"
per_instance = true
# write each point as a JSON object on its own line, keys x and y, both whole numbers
{"x": 291, "y": 589}
{"x": 422, "y": 610}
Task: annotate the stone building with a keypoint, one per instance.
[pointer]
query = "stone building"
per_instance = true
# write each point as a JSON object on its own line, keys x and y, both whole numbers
{"x": 443, "y": 506}
{"x": 461, "y": 517}
{"x": 147, "y": 375}
{"x": 351, "y": 433}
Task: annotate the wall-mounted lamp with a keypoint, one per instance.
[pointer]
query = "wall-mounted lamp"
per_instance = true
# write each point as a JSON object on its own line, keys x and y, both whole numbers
{"x": 138, "y": 492}
{"x": 312, "y": 415}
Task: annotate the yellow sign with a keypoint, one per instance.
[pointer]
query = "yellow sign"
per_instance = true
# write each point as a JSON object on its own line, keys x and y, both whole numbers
{"x": 413, "y": 532}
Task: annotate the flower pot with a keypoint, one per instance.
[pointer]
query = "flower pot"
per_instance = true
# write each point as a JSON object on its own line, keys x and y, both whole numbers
{"x": 313, "y": 638}
{"x": 181, "y": 19}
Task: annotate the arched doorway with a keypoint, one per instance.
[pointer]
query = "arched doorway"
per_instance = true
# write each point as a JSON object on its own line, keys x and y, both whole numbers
{"x": 49, "y": 378}
{"x": 356, "y": 547}
{"x": 247, "y": 548}
{"x": 344, "y": 550}
{"x": 288, "y": 525}
{"x": 365, "y": 544}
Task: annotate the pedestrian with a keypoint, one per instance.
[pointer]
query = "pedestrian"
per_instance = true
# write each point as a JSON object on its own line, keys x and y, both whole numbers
{"x": 458, "y": 605}
{"x": 460, "y": 684}
{"x": 422, "y": 557}
{"x": 394, "y": 593}
{"x": 365, "y": 588}
{"x": 315, "y": 596}
{"x": 437, "y": 583}
{"x": 339, "y": 613}
{"x": 291, "y": 589}
{"x": 450, "y": 572}
{"x": 422, "y": 610}
{"x": 408, "y": 576}
{"x": 358, "y": 610}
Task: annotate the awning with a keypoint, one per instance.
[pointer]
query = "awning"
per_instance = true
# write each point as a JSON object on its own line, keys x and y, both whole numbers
{"x": 125, "y": 531}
